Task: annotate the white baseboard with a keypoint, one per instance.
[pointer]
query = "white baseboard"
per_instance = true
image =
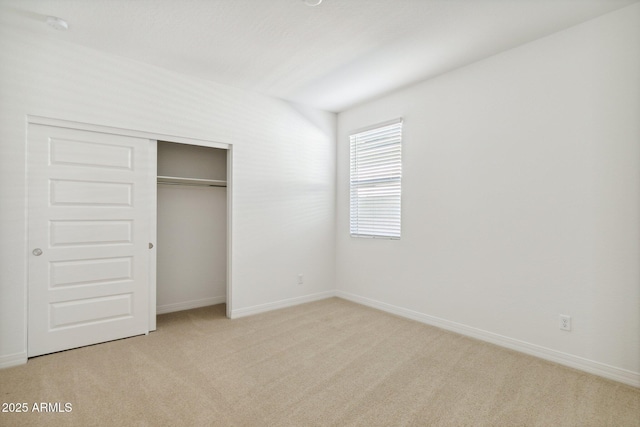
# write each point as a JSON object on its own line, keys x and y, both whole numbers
{"x": 261, "y": 308}
{"x": 13, "y": 360}
{"x": 188, "y": 305}
{"x": 576, "y": 362}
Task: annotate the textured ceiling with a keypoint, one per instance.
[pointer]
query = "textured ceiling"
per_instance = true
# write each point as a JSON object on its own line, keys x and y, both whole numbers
{"x": 332, "y": 56}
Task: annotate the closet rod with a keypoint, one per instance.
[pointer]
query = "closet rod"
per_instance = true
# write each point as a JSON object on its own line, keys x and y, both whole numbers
{"x": 177, "y": 180}
{"x": 191, "y": 184}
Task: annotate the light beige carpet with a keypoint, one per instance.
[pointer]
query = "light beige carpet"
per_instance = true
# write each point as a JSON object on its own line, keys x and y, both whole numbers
{"x": 330, "y": 362}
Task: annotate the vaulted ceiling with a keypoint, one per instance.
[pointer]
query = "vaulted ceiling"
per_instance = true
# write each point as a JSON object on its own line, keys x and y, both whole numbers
{"x": 331, "y": 56}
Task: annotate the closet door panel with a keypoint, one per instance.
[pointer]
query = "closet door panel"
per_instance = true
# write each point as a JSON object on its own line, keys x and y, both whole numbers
{"x": 88, "y": 237}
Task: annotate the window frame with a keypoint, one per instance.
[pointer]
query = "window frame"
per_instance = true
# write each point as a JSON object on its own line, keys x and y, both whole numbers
{"x": 385, "y": 188}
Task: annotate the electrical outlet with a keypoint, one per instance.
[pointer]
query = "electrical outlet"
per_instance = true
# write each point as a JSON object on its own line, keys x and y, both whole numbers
{"x": 300, "y": 279}
{"x": 565, "y": 322}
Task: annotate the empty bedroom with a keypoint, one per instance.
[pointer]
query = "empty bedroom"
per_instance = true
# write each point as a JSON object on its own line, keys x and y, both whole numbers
{"x": 320, "y": 212}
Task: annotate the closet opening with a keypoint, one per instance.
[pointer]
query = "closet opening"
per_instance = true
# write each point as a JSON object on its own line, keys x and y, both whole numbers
{"x": 192, "y": 225}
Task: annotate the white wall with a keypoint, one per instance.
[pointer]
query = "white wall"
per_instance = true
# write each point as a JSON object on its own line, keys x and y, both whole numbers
{"x": 191, "y": 247}
{"x": 521, "y": 199}
{"x": 283, "y": 174}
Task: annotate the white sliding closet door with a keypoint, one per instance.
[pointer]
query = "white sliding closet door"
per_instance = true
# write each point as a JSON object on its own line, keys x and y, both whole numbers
{"x": 89, "y": 216}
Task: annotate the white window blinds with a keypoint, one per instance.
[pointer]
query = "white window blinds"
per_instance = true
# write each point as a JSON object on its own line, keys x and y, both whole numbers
{"x": 376, "y": 176}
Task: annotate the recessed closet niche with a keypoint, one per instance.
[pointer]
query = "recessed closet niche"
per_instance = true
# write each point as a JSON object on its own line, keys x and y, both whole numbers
{"x": 191, "y": 248}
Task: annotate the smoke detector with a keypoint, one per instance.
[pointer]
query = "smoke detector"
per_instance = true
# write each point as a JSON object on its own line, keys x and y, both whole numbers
{"x": 57, "y": 23}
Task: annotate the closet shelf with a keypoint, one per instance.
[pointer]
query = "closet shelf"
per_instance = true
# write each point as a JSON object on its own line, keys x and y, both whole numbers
{"x": 175, "y": 180}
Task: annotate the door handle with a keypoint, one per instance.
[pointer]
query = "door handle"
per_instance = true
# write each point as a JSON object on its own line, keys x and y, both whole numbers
{"x": 37, "y": 252}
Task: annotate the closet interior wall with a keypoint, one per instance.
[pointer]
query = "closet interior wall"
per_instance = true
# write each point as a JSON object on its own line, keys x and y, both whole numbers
{"x": 191, "y": 228}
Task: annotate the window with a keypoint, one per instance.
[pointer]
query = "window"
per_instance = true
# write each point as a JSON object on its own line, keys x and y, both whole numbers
{"x": 376, "y": 176}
